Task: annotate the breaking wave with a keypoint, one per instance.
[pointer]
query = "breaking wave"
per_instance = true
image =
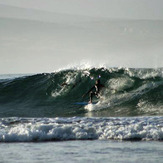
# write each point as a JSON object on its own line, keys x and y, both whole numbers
{"x": 127, "y": 92}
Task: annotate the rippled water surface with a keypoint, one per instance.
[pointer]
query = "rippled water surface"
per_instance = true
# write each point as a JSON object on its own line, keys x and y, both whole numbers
{"x": 83, "y": 151}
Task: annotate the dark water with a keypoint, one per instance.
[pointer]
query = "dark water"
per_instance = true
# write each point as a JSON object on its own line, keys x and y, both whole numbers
{"x": 127, "y": 92}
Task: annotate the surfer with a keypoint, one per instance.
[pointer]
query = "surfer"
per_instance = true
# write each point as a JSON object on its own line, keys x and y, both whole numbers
{"x": 95, "y": 90}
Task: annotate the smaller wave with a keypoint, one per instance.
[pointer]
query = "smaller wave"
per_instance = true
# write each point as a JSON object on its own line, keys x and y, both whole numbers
{"x": 61, "y": 129}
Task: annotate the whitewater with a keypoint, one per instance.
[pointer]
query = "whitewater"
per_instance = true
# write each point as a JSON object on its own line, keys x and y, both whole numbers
{"x": 59, "y": 129}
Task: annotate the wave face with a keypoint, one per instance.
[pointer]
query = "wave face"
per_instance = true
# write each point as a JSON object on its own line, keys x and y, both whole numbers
{"x": 127, "y": 92}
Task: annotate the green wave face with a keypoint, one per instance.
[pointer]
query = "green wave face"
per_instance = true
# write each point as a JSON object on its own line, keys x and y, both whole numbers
{"x": 127, "y": 92}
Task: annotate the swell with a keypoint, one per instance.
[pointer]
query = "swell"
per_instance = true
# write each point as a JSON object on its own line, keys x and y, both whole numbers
{"x": 127, "y": 92}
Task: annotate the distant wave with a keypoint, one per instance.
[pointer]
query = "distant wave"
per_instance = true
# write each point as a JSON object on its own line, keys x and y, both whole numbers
{"x": 128, "y": 92}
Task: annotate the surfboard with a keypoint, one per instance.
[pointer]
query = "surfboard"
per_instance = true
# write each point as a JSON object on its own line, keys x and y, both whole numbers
{"x": 84, "y": 103}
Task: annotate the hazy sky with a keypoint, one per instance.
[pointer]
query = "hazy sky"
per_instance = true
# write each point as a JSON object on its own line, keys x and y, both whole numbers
{"x": 144, "y": 9}
{"x": 36, "y": 41}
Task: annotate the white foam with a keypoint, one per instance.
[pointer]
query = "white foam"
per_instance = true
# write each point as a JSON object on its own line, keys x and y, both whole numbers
{"x": 141, "y": 128}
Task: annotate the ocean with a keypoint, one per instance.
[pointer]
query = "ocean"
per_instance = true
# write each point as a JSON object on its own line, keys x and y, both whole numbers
{"x": 41, "y": 122}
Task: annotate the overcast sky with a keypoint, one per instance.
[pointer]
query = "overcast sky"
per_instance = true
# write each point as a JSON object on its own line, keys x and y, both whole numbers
{"x": 36, "y": 41}
{"x": 144, "y": 9}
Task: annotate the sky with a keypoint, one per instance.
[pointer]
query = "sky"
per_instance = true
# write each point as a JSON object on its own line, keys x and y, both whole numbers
{"x": 43, "y": 36}
{"x": 144, "y": 9}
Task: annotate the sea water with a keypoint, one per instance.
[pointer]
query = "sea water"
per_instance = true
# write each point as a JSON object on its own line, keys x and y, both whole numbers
{"x": 39, "y": 121}
{"x": 83, "y": 151}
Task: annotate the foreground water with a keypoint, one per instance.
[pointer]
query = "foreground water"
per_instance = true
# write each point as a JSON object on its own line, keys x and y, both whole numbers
{"x": 83, "y": 151}
{"x": 40, "y": 121}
